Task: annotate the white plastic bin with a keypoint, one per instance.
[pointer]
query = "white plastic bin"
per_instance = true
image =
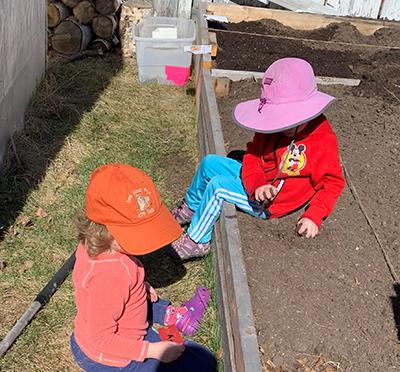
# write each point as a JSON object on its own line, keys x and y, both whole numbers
{"x": 153, "y": 54}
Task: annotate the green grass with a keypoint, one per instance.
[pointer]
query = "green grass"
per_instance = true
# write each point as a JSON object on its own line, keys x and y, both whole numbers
{"x": 86, "y": 114}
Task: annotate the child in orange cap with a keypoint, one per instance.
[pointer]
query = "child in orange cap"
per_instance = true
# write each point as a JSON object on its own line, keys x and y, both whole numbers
{"x": 125, "y": 216}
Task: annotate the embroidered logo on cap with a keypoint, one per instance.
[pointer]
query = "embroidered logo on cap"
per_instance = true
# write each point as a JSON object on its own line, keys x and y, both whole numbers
{"x": 143, "y": 202}
{"x": 142, "y": 197}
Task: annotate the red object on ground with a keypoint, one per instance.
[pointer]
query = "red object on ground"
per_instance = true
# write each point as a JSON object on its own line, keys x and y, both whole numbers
{"x": 178, "y": 75}
{"x": 170, "y": 333}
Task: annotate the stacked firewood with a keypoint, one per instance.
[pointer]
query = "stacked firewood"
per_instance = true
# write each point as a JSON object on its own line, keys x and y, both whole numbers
{"x": 76, "y": 25}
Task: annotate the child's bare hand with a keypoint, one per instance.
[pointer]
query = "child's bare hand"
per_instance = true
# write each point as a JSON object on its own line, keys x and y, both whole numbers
{"x": 307, "y": 228}
{"x": 165, "y": 351}
{"x": 151, "y": 292}
{"x": 265, "y": 192}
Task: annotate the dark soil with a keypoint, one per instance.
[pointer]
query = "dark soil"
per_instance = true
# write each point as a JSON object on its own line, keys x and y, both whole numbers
{"x": 334, "y": 295}
{"x": 373, "y": 66}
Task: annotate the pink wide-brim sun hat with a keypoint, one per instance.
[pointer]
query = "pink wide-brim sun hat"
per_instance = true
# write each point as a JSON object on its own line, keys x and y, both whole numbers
{"x": 289, "y": 97}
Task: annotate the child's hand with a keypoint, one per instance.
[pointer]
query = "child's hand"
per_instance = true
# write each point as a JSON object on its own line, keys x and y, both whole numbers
{"x": 307, "y": 227}
{"x": 151, "y": 292}
{"x": 165, "y": 351}
{"x": 265, "y": 192}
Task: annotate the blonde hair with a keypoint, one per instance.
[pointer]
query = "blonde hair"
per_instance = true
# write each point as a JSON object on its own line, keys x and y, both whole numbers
{"x": 94, "y": 236}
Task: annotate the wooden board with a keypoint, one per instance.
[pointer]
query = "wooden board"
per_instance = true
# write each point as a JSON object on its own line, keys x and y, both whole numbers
{"x": 299, "y": 21}
{"x": 173, "y": 8}
{"x": 236, "y": 75}
{"x": 239, "y": 339}
{"x": 222, "y": 86}
{"x": 213, "y": 41}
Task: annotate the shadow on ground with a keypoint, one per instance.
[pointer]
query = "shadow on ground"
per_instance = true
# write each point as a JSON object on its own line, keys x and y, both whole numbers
{"x": 162, "y": 270}
{"x": 67, "y": 92}
{"x": 396, "y": 308}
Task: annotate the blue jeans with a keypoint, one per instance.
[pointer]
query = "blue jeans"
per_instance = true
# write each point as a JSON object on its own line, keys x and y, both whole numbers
{"x": 217, "y": 179}
{"x": 195, "y": 358}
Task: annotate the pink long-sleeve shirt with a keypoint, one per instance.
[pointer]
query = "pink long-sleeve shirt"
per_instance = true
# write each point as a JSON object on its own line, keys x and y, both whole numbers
{"x": 111, "y": 302}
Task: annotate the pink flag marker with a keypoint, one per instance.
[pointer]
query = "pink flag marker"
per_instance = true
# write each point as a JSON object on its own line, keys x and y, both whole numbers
{"x": 178, "y": 75}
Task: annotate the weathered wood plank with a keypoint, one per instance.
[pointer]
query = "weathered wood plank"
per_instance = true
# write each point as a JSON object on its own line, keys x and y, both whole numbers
{"x": 173, "y": 8}
{"x": 237, "y": 75}
{"x": 239, "y": 339}
{"x": 165, "y": 8}
{"x": 213, "y": 41}
{"x": 185, "y": 8}
{"x": 222, "y": 86}
{"x": 310, "y": 41}
{"x": 299, "y": 21}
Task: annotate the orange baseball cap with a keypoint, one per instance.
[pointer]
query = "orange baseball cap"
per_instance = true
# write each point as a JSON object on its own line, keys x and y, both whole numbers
{"x": 126, "y": 201}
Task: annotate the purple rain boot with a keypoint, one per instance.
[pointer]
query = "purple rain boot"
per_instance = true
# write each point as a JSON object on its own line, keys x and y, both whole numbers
{"x": 189, "y": 323}
{"x": 182, "y": 213}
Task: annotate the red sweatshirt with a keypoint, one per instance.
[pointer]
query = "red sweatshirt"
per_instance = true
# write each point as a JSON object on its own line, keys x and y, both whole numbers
{"x": 111, "y": 301}
{"x": 310, "y": 169}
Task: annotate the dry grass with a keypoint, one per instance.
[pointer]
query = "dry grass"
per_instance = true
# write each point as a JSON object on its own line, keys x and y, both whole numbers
{"x": 85, "y": 114}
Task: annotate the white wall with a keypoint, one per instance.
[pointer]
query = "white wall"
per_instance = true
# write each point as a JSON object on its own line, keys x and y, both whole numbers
{"x": 391, "y": 10}
{"x": 358, "y": 8}
{"x": 366, "y": 8}
{"x": 22, "y": 60}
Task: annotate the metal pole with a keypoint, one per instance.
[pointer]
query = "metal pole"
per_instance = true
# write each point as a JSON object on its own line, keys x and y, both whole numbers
{"x": 42, "y": 297}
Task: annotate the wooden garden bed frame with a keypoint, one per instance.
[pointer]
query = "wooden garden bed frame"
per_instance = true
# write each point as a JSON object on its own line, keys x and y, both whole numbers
{"x": 238, "y": 333}
{"x": 300, "y": 21}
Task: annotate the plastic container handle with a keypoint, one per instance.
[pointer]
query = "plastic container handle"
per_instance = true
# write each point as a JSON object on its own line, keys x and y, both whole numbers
{"x": 162, "y": 46}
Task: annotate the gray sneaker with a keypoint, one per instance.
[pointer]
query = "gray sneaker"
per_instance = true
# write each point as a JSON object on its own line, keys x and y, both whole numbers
{"x": 182, "y": 213}
{"x": 185, "y": 248}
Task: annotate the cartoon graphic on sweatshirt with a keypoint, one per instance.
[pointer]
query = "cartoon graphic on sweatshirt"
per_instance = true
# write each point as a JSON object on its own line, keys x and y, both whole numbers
{"x": 294, "y": 160}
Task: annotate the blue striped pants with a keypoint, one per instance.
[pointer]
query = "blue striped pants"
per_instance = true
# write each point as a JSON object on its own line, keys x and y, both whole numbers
{"x": 217, "y": 179}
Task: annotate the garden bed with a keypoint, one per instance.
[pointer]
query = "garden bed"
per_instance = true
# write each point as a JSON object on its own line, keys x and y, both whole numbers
{"x": 244, "y": 46}
{"x": 333, "y": 296}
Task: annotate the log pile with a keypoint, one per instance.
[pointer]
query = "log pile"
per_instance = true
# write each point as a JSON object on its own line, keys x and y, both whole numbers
{"x": 132, "y": 12}
{"x": 77, "y": 25}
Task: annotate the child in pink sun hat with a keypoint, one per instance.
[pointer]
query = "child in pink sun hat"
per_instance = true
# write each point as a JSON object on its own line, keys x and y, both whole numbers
{"x": 292, "y": 162}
